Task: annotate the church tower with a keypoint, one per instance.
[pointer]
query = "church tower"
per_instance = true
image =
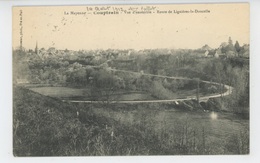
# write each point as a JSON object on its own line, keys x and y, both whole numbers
{"x": 36, "y": 48}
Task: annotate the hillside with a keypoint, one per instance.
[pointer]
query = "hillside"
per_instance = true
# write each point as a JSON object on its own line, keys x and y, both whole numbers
{"x": 42, "y": 123}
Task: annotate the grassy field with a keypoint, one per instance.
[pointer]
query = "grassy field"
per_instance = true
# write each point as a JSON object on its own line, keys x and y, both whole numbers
{"x": 68, "y": 93}
{"x": 58, "y": 91}
{"x": 44, "y": 126}
{"x": 219, "y": 127}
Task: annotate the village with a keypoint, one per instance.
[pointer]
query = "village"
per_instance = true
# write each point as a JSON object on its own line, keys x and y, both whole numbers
{"x": 225, "y": 50}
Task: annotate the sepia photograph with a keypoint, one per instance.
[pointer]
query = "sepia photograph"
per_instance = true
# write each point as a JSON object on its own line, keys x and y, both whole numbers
{"x": 131, "y": 80}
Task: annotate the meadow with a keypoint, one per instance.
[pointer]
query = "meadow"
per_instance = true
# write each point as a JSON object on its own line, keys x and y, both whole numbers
{"x": 72, "y": 93}
{"x": 42, "y": 123}
{"x": 220, "y": 128}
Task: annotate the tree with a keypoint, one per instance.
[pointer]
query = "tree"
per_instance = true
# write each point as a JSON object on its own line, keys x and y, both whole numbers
{"x": 198, "y": 91}
{"x": 230, "y": 42}
{"x": 237, "y": 47}
{"x": 105, "y": 85}
{"x": 230, "y": 46}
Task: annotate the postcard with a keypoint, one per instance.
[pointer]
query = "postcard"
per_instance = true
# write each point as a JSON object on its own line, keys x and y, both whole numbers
{"x": 120, "y": 80}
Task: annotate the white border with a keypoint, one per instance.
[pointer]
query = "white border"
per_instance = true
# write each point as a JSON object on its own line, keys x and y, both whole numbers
{"x": 6, "y": 154}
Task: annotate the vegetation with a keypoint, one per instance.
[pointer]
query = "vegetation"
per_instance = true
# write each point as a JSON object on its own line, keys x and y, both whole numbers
{"x": 43, "y": 125}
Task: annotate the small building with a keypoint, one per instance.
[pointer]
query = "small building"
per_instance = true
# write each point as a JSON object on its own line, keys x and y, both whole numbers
{"x": 211, "y": 54}
{"x": 206, "y": 53}
{"x": 22, "y": 81}
{"x": 218, "y": 53}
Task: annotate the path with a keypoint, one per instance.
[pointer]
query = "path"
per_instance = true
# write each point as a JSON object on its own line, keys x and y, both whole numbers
{"x": 202, "y": 98}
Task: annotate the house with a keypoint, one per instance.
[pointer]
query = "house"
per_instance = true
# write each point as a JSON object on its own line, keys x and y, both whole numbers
{"x": 22, "y": 81}
{"x": 218, "y": 53}
{"x": 206, "y": 47}
{"x": 211, "y": 54}
{"x": 206, "y": 53}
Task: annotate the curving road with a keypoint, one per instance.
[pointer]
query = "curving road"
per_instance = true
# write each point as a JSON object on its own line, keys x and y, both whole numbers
{"x": 202, "y": 98}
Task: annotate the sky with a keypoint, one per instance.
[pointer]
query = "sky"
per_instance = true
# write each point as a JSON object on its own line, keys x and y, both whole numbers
{"x": 51, "y": 27}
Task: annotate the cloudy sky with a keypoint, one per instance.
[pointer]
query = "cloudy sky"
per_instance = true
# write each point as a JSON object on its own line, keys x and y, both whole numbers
{"x": 52, "y": 28}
